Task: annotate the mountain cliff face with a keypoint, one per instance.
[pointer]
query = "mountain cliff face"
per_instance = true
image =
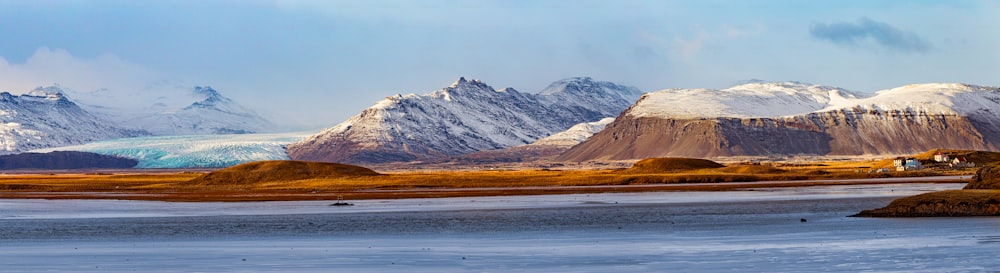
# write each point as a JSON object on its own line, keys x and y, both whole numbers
{"x": 466, "y": 117}
{"x": 212, "y": 114}
{"x": 44, "y": 117}
{"x": 903, "y": 120}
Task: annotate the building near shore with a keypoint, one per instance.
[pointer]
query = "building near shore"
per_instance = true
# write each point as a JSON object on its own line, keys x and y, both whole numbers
{"x": 907, "y": 164}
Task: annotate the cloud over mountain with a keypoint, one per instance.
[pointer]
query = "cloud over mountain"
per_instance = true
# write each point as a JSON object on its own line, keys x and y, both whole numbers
{"x": 57, "y": 66}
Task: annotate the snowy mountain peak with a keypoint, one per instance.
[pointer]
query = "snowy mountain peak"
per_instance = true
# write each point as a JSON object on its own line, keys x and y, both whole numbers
{"x": 465, "y": 117}
{"x": 932, "y": 98}
{"x": 474, "y": 89}
{"x": 589, "y": 85}
{"x": 212, "y": 98}
{"x": 206, "y": 91}
{"x": 49, "y": 93}
{"x": 462, "y": 85}
{"x": 606, "y": 97}
{"x": 757, "y": 99}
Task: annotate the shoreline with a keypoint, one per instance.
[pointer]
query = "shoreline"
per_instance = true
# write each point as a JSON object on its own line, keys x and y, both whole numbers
{"x": 429, "y": 192}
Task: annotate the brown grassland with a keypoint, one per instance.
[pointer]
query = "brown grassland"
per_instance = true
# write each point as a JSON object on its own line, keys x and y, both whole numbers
{"x": 290, "y": 180}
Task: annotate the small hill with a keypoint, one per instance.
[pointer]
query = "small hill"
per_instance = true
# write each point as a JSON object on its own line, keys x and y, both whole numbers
{"x": 64, "y": 160}
{"x": 279, "y": 170}
{"x": 672, "y": 164}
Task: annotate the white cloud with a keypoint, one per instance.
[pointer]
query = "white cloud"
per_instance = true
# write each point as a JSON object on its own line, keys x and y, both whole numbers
{"x": 58, "y": 67}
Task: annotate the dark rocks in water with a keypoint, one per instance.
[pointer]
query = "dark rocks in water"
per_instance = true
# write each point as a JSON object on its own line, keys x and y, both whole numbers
{"x": 340, "y": 202}
{"x": 803, "y": 220}
{"x": 64, "y": 160}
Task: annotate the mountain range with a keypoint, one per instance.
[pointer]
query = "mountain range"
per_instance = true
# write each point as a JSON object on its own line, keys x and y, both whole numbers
{"x": 572, "y": 120}
{"x": 798, "y": 119}
{"x": 465, "y": 117}
{"x": 47, "y": 117}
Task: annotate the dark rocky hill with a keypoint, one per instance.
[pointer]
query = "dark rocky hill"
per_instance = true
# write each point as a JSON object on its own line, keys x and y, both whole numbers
{"x": 61, "y": 160}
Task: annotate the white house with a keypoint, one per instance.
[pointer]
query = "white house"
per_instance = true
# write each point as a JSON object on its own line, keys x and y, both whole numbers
{"x": 939, "y": 157}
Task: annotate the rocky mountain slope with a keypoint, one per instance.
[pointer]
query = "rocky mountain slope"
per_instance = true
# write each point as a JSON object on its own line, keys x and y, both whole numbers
{"x": 465, "y": 117}
{"x": 44, "y": 117}
{"x": 794, "y": 118}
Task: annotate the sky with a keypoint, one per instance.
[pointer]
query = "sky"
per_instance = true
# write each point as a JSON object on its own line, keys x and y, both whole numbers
{"x": 313, "y": 64}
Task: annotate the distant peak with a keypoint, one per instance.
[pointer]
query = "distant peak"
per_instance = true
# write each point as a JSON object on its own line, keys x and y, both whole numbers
{"x": 206, "y": 91}
{"x": 47, "y": 92}
{"x": 577, "y": 79}
{"x": 212, "y": 97}
{"x": 588, "y": 84}
{"x": 462, "y": 82}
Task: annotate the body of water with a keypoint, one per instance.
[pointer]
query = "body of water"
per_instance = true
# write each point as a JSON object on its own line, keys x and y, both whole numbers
{"x": 761, "y": 230}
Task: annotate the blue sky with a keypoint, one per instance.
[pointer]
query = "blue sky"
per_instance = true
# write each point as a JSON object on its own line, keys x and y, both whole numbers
{"x": 316, "y": 63}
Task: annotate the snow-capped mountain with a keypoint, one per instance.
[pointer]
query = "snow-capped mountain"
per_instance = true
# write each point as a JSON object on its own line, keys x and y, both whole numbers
{"x": 202, "y": 110}
{"x": 757, "y": 99}
{"x": 196, "y": 151}
{"x": 770, "y": 119}
{"x": 44, "y": 117}
{"x": 465, "y": 117}
{"x": 584, "y": 93}
{"x": 574, "y": 135}
{"x": 214, "y": 114}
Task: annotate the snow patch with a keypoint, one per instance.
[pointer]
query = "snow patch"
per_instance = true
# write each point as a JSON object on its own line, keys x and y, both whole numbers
{"x": 763, "y": 100}
{"x": 576, "y": 134}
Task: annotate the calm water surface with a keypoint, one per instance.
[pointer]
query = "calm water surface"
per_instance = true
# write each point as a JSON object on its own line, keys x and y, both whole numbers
{"x": 755, "y": 231}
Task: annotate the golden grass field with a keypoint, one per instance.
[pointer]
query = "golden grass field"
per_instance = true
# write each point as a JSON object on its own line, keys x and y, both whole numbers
{"x": 289, "y": 180}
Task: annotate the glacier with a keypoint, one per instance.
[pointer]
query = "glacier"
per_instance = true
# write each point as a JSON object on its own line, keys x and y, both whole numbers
{"x": 193, "y": 151}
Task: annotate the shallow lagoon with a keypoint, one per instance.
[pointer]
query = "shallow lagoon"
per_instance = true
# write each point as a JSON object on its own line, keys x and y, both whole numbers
{"x": 758, "y": 230}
